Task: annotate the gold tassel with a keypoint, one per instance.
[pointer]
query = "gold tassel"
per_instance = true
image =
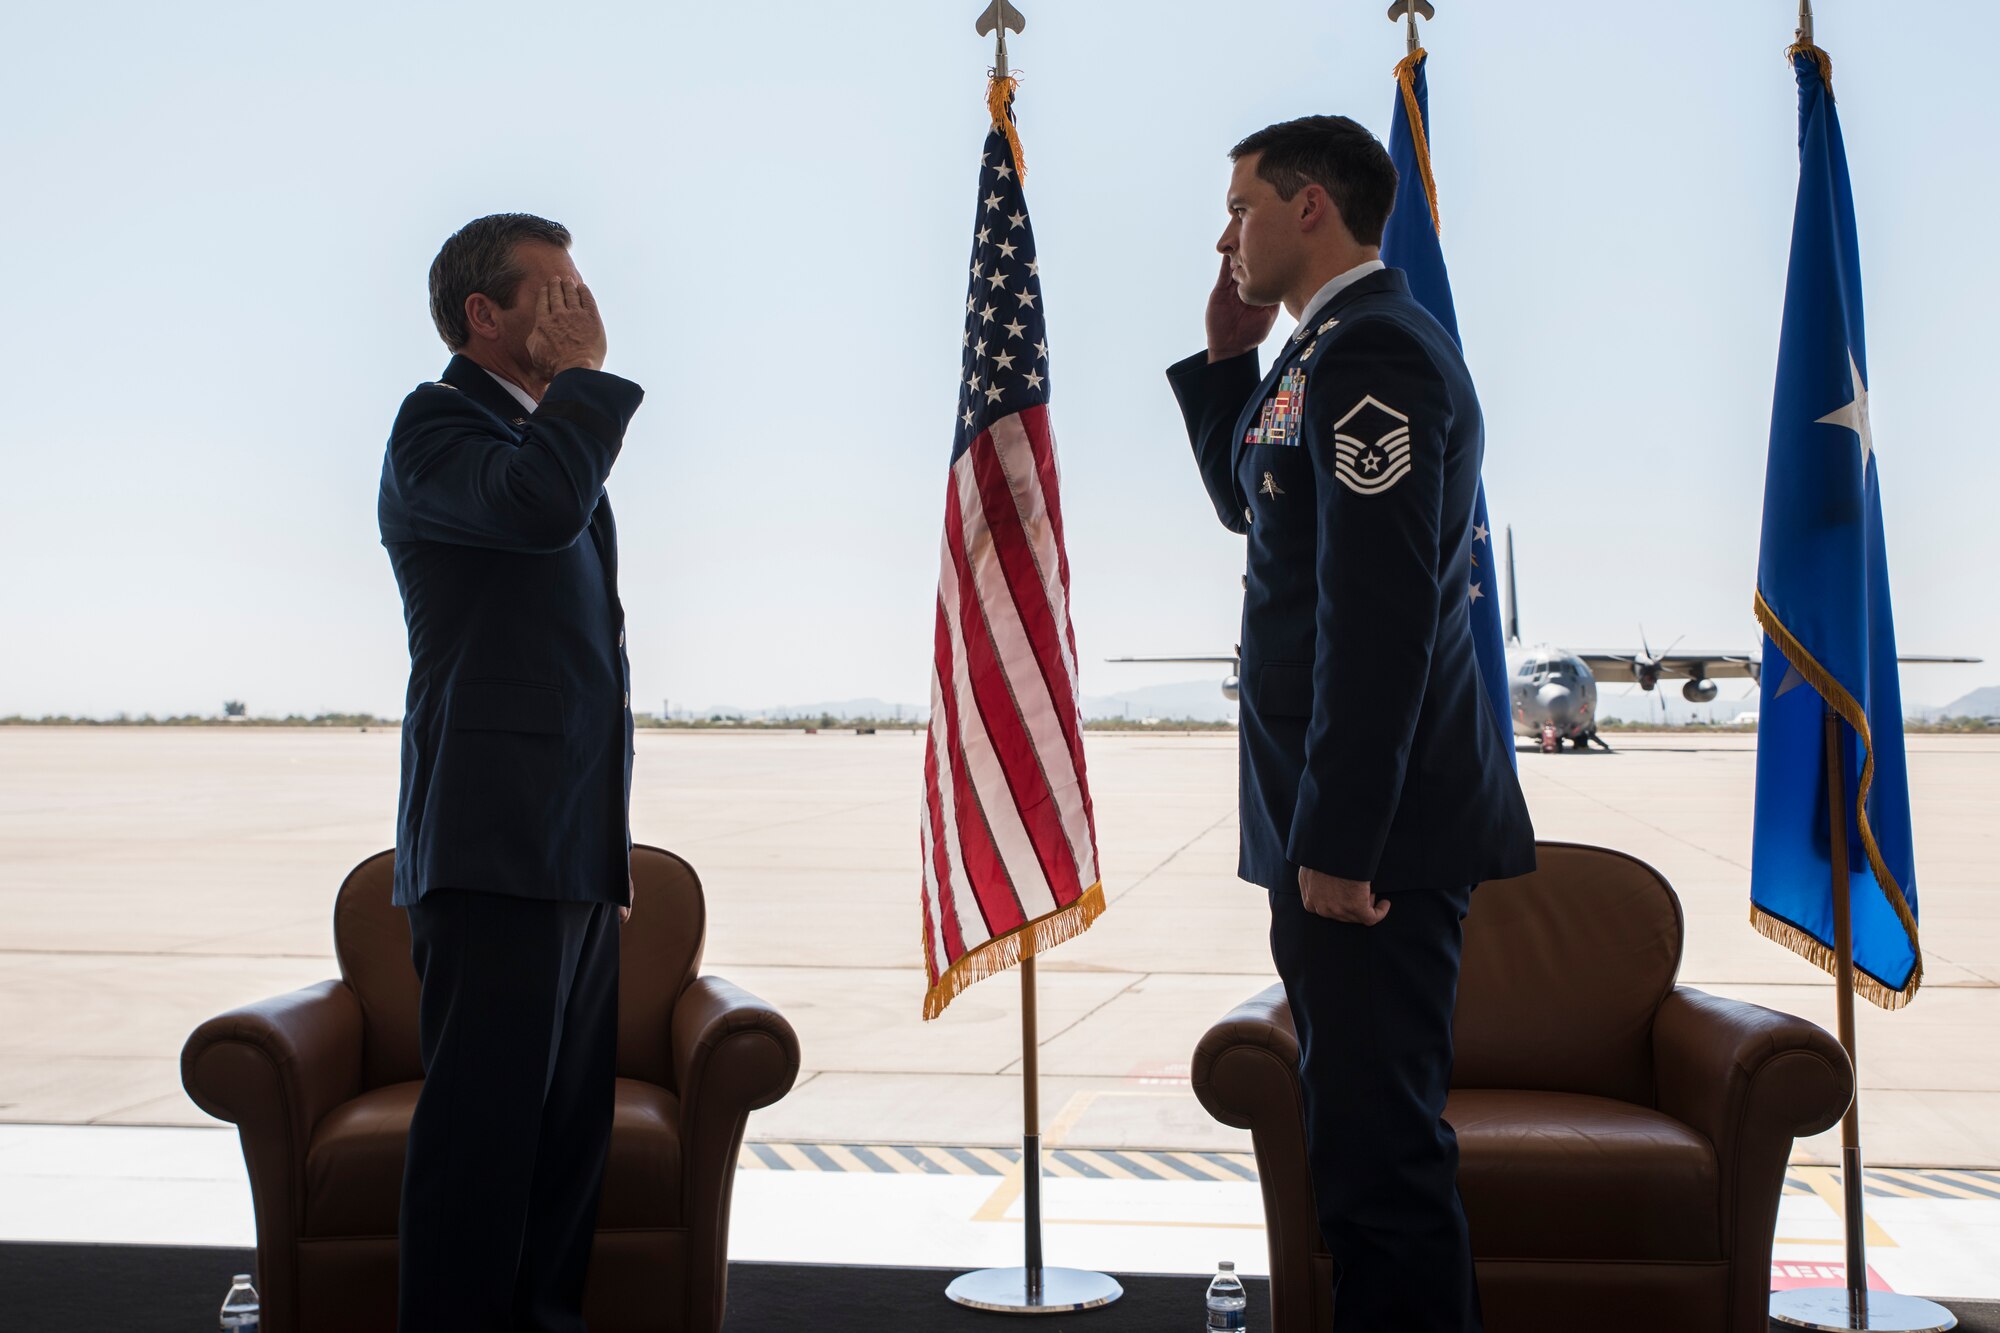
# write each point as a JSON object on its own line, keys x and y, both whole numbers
{"x": 999, "y": 97}
{"x": 1406, "y": 79}
{"x": 1025, "y": 941}
{"x": 1852, "y": 713}
{"x": 1810, "y": 948}
{"x": 1820, "y": 58}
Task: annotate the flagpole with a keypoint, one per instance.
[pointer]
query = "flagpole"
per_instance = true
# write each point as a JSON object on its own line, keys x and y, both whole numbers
{"x": 1855, "y": 1307}
{"x": 1843, "y": 953}
{"x": 1031, "y": 1288}
{"x": 1031, "y": 1129}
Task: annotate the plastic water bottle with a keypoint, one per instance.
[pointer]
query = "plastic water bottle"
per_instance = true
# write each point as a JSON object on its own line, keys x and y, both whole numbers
{"x": 1226, "y": 1299}
{"x": 239, "y": 1307}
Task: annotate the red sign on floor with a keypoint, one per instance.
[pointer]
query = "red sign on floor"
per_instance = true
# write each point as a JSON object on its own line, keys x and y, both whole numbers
{"x": 1795, "y": 1276}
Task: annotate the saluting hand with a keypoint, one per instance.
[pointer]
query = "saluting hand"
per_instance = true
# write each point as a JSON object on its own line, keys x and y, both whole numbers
{"x": 1235, "y": 327}
{"x": 1337, "y": 899}
{"x": 568, "y": 332}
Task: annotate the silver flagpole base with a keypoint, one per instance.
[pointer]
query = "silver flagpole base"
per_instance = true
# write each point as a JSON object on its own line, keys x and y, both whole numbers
{"x": 1061, "y": 1291}
{"x": 1833, "y": 1308}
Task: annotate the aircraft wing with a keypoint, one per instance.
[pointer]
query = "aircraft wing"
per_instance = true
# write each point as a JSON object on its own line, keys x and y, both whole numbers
{"x": 1677, "y": 665}
{"x": 1684, "y": 664}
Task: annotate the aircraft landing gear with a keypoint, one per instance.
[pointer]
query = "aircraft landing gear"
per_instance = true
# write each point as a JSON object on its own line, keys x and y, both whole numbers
{"x": 1551, "y": 740}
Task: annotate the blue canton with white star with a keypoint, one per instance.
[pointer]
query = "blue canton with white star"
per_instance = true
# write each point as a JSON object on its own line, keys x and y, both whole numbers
{"x": 1006, "y": 363}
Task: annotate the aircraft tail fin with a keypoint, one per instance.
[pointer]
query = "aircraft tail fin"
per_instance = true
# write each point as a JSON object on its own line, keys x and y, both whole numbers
{"x": 1513, "y": 594}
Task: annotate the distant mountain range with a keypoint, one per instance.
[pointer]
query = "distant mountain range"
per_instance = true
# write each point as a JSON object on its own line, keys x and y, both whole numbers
{"x": 1982, "y": 702}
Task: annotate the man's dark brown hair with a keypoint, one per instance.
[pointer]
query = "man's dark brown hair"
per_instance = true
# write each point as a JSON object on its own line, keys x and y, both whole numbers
{"x": 1337, "y": 155}
{"x": 479, "y": 257}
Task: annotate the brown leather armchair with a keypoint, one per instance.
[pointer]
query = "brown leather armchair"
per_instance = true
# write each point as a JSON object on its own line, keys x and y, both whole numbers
{"x": 321, "y": 1083}
{"x": 1622, "y": 1140}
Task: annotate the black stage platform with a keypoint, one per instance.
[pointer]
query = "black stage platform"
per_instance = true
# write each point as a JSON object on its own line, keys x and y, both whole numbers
{"x": 157, "y": 1289}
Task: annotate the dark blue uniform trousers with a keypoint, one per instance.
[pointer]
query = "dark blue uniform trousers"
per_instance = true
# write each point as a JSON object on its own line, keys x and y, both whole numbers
{"x": 1373, "y": 1006}
{"x": 519, "y": 1028}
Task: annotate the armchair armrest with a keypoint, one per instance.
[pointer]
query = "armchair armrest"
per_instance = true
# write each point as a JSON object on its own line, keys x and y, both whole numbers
{"x": 275, "y": 1069}
{"x": 732, "y": 1053}
{"x": 1246, "y": 1073}
{"x": 1752, "y": 1080}
{"x": 1246, "y": 1066}
{"x": 730, "y": 1049}
{"x": 1737, "y": 1071}
{"x": 280, "y": 1064}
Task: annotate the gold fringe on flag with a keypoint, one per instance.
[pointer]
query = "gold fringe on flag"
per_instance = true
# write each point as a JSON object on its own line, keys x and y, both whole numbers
{"x": 1406, "y": 79}
{"x": 999, "y": 97}
{"x": 1785, "y": 933}
{"x": 1005, "y": 951}
{"x": 1820, "y": 58}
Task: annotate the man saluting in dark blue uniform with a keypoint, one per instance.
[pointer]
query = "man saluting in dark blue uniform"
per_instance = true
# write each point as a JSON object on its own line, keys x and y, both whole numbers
{"x": 513, "y": 852}
{"x": 1375, "y": 789}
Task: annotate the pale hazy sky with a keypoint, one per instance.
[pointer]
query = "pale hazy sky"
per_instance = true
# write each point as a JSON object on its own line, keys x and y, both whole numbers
{"x": 220, "y": 218}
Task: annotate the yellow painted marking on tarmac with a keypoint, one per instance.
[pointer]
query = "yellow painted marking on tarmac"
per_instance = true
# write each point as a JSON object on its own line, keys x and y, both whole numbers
{"x": 894, "y": 1157}
{"x": 1246, "y": 1160}
{"x": 1057, "y": 1131}
{"x": 997, "y": 1160}
{"x": 1102, "y": 1163}
{"x": 1821, "y": 1178}
{"x": 846, "y": 1160}
{"x": 1062, "y": 1170}
{"x": 1937, "y": 1180}
{"x": 749, "y": 1161}
{"x": 1209, "y": 1170}
{"x": 947, "y": 1161}
{"x": 795, "y": 1159}
{"x": 1003, "y": 1196}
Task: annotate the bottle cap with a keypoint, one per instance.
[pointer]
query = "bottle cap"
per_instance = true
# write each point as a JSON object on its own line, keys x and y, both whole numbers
{"x": 1227, "y": 1265}
{"x": 244, "y": 1278}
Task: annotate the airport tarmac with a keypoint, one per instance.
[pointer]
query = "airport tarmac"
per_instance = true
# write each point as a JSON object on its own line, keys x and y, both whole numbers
{"x": 152, "y": 877}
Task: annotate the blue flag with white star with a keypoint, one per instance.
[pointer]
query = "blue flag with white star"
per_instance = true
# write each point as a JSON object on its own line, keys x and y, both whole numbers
{"x": 1410, "y": 243}
{"x": 1823, "y": 603}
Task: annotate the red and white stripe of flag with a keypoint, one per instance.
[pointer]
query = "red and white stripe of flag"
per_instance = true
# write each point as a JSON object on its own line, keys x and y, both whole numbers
{"x": 1009, "y": 840}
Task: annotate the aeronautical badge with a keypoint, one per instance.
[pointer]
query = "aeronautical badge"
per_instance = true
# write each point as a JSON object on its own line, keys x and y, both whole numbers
{"x": 1371, "y": 447}
{"x": 1278, "y": 421}
{"x": 1328, "y": 325}
{"x": 1311, "y": 347}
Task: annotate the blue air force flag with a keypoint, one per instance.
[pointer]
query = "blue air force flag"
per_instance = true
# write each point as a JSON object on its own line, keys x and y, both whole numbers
{"x": 1410, "y": 243}
{"x": 1823, "y": 603}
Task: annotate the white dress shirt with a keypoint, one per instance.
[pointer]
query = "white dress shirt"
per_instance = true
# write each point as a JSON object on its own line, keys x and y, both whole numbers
{"x": 528, "y": 404}
{"x": 1333, "y": 288}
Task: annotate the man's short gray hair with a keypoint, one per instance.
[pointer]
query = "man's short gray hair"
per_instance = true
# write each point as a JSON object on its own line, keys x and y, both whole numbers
{"x": 479, "y": 257}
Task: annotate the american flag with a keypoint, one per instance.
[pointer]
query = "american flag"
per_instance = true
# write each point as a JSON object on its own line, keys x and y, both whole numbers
{"x": 1009, "y": 841}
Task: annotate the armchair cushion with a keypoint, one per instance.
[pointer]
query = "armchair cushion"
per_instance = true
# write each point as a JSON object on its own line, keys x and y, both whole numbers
{"x": 354, "y": 1168}
{"x": 1558, "y": 1175}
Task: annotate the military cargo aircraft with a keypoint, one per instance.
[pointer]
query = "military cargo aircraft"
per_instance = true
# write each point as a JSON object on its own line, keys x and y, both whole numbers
{"x": 1553, "y": 691}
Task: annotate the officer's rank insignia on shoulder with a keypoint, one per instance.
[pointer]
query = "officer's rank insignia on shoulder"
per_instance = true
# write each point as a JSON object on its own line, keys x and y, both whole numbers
{"x": 1278, "y": 420}
{"x": 1371, "y": 447}
{"x": 445, "y": 384}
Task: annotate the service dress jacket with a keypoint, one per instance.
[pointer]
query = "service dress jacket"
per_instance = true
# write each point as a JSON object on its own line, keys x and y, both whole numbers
{"x": 1368, "y": 749}
{"x": 517, "y": 728}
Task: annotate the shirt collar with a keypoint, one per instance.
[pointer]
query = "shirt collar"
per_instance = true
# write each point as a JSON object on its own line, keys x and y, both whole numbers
{"x": 1334, "y": 287}
{"x": 529, "y": 405}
